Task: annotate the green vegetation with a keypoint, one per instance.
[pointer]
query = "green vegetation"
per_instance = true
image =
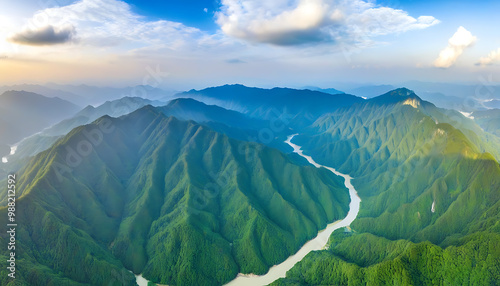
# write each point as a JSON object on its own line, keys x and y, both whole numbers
{"x": 170, "y": 199}
{"x": 188, "y": 204}
{"x": 299, "y": 108}
{"x": 489, "y": 120}
{"x": 365, "y": 259}
{"x": 414, "y": 162}
{"x": 42, "y": 141}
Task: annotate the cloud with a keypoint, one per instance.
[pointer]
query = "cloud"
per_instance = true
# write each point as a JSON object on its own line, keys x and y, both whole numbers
{"x": 111, "y": 23}
{"x": 297, "y": 22}
{"x": 491, "y": 58}
{"x": 461, "y": 40}
{"x": 48, "y": 35}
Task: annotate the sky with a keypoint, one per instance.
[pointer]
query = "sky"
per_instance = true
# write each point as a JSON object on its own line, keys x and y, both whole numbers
{"x": 199, "y": 43}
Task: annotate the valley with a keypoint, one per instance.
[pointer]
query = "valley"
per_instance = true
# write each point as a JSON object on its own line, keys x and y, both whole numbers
{"x": 188, "y": 193}
{"x": 249, "y": 143}
{"x": 315, "y": 244}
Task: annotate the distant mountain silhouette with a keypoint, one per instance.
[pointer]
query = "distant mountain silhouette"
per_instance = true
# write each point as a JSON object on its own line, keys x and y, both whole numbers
{"x": 24, "y": 113}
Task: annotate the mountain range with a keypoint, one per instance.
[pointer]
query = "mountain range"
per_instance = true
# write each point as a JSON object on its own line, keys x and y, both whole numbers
{"x": 171, "y": 199}
{"x": 24, "y": 113}
{"x": 192, "y": 193}
{"x": 83, "y": 95}
{"x": 429, "y": 196}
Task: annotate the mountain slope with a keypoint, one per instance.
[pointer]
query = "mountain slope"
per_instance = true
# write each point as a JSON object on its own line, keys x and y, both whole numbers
{"x": 473, "y": 262}
{"x": 171, "y": 199}
{"x": 489, "y": 120}
{"x": 190, "y": 109}
{"x": 87, "y": 115}
{"x": 24, "y": 113}
{"x": 232, "y": 123}
{"x": 299, "y": 107}
{"x": 392, "y": 143}
{"x": 419, "y": 180}
{"x": 324, "y": 90}
{"x": 43, "y": 140}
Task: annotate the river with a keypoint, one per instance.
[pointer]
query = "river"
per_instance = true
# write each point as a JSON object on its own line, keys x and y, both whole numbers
{"x": 317, "y": 243}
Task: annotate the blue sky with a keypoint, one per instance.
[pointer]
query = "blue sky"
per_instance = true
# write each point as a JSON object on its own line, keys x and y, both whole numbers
{"x": 197, "y": 43}
{"x": 196, "y": 13}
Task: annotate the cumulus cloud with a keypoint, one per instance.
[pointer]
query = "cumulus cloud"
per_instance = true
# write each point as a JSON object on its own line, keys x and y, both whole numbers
{"x": 296, "y": 22}
{"x": 461, "y": 40}
{"x": 491, "y": 58}
{"x": 107, "y": 23}
{"x": 48, "y": 35}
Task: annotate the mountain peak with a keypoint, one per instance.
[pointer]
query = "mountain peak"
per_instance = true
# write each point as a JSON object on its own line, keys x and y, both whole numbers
{"x": 402, "y": 92}
{"x": 400, "y": 95}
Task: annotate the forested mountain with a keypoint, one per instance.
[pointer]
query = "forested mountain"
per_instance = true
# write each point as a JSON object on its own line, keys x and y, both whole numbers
{"x": 227, "y": 121}
{"x": 300, "y": 107}
{"x": 171, "y": 199}
{"x": 419, "y": 180}
{"x": 190, "y": 109}
{"x": 43, "y": 140}
{"x": 185, "y": 194}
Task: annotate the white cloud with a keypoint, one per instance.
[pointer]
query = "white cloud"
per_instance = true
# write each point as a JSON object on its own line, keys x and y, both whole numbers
{"x": 461, "y": 40}
{"x": 105, "y": 23}
{"x": 491, "y": 58}
{"x": 295, "y": 22}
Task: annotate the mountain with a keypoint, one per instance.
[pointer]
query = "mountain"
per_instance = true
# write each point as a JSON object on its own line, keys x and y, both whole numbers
{"x": 84, "y": 95}
{"x": 190, "y": 109}
{"x": 96, "y": 95}
{"x": 369, "y": 91}
{"x": 492, "y": 103}
{"x": 173, "y": 200}
{"x": 48, "y": 92}
{"x": 24, "y": 113}
{"x": 489, "y": 120}
{"x": 325, "y": 90}
{"x": 450, "y": 102}
{"x": 480, "y": 90}
{"x": 298, "y": 107}
{"x": 430, "y": 197}
{"x": 113, "y": 108}
{"x": 461, "y": 97}
{"x": 232, "y": 123}
{"x": 379, "y": 261}
{"x": 42, "y": 141}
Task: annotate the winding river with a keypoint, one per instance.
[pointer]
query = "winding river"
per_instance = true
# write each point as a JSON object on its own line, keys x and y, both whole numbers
{"x": 317, "y": 243}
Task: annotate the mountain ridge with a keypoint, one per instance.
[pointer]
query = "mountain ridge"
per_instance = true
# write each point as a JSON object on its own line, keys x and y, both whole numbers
{"x": 141, "y": 194}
